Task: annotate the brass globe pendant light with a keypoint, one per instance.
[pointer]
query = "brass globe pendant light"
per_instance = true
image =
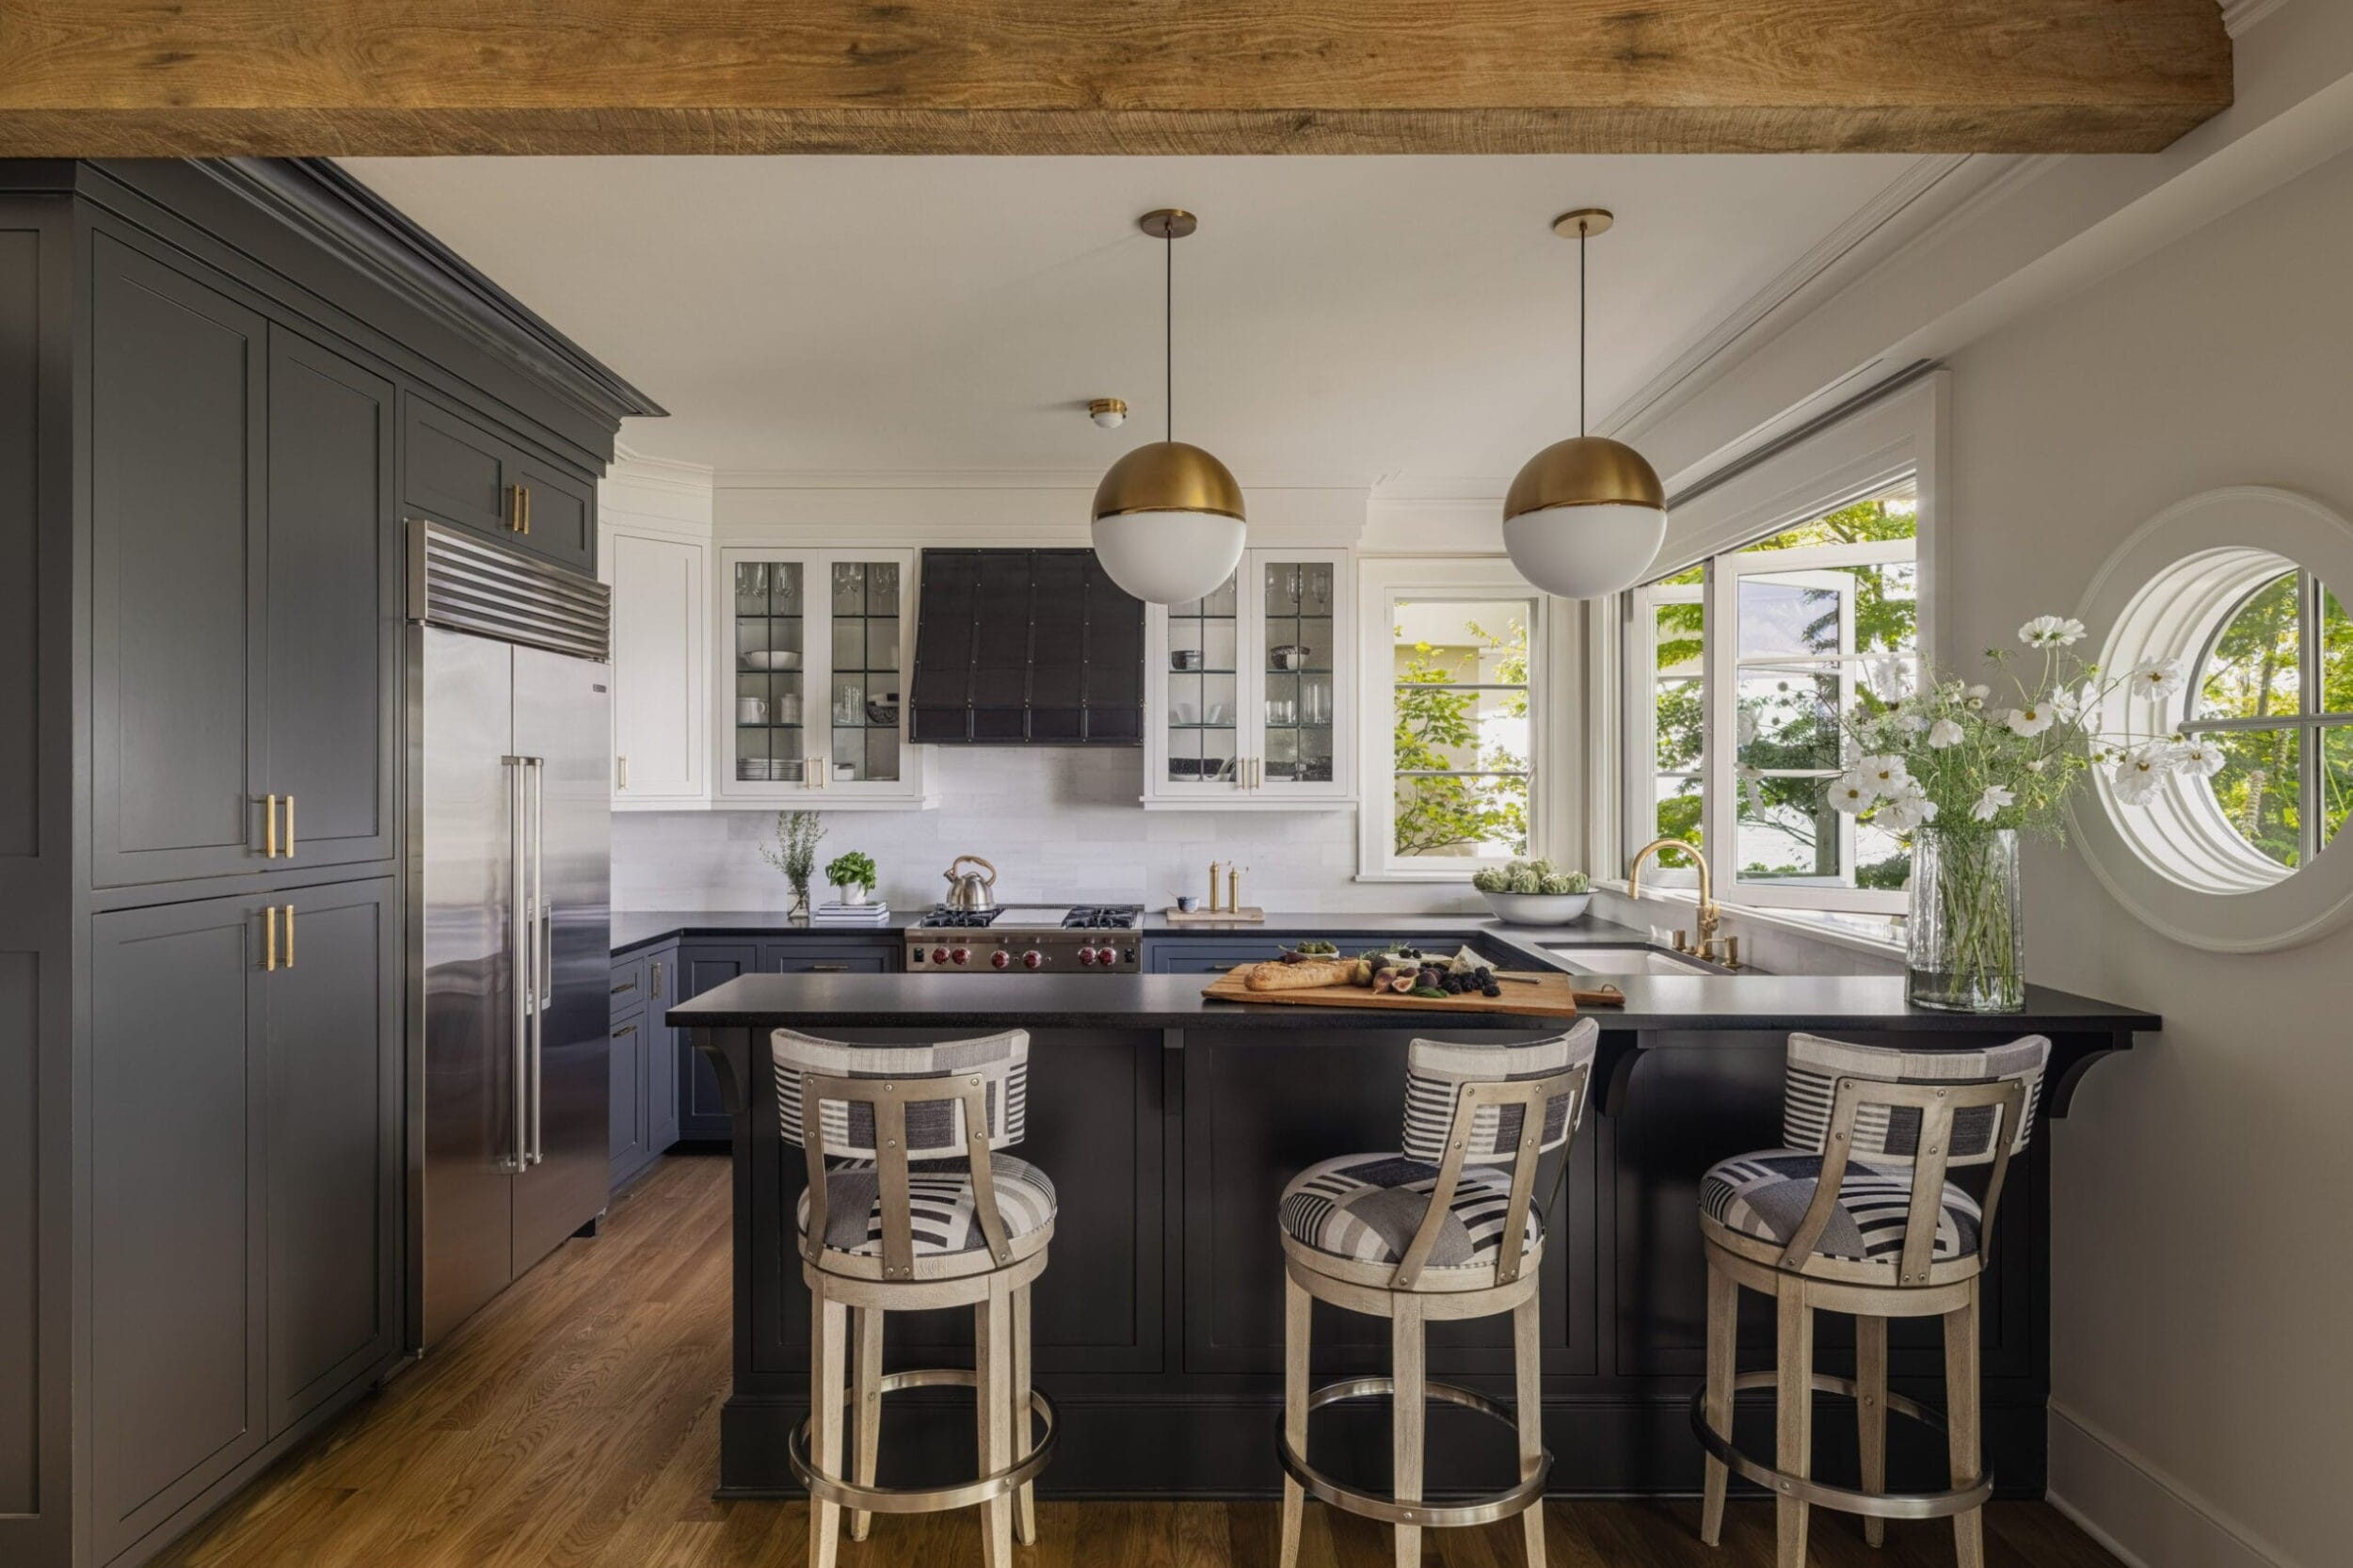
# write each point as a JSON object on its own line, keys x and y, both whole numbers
{"x": 1168, "y": 517}
{"x": 1586, "y": 516}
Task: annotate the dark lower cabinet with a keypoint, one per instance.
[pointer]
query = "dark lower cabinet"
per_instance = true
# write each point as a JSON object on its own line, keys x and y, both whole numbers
{"x": 246, "y": 1192}
{"x": 178, "y": 1353}
{"x": 626, "y": 1100}
{"x": 701, "y": 966}
{"x": 661, "y": 1077}
{"x": 643, "y": 1062}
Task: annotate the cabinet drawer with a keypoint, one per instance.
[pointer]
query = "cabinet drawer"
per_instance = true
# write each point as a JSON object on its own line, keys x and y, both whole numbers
{"x": 800, "y": 958}
{"x": 629, "y": 983}
{"x": 1185, "y": 955}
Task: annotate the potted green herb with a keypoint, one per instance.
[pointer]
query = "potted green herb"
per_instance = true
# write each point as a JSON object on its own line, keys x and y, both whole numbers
{"x": 853, "y": 877}
{"x": 794, "y": 854}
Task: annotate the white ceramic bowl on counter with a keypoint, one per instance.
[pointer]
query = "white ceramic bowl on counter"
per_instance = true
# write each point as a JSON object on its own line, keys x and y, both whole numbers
{"x": 1537, "y": 908}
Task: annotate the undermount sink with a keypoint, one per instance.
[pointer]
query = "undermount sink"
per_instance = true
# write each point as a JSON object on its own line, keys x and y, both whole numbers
{"x": 1625, "y": 960}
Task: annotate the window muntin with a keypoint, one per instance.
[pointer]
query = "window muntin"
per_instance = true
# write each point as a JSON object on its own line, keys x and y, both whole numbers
{"x": 1804, "y": 615}
{"x": 1461, "y": 756}
{"x": 2273, "y": 689}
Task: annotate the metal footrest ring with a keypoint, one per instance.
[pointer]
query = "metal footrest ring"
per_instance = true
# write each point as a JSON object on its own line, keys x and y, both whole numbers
{"x": 1388, "y": 1509}
{"x": 823, "y": 1487}
{"x": 1877, "y": 1505}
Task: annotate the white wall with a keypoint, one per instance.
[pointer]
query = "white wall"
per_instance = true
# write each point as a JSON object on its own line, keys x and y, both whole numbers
{"x": 1061, "y": 824}
{"x": 2202, "y": 1341}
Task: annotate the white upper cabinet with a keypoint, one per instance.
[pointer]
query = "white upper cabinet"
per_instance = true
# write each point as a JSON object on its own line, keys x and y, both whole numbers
{"x": 813, "y": 659}
{"x": 1250, "y": 692}
{"x": 661, "y": 746}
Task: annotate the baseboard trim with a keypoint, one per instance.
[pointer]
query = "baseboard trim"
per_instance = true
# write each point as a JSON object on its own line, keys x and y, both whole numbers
{"x": 2143, "y": 1516}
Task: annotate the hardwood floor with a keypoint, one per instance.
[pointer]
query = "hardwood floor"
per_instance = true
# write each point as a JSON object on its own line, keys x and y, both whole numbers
{"x": 575, "y": 1423}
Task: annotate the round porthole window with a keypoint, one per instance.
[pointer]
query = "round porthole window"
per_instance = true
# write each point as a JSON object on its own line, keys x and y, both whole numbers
{"x": 2244, "y": 592}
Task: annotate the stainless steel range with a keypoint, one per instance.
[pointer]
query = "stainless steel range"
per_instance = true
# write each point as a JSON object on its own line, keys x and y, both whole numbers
{"x": 1088, "y": 938}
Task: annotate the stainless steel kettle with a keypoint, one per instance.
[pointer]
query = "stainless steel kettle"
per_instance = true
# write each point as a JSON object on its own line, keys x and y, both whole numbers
{"x": 968, "y": 892}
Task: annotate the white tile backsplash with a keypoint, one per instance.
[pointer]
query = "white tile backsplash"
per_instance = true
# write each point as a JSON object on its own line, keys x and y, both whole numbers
{"x": 1060, "y": 824}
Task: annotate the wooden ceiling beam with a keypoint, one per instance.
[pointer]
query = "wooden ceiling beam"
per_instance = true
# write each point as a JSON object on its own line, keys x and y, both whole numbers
{"x": 138, "y": 78}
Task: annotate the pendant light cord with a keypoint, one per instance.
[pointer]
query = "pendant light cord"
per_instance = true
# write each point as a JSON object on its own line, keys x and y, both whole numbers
{"x": 1168, "y": 335}
{"x": 1581, "y": 227}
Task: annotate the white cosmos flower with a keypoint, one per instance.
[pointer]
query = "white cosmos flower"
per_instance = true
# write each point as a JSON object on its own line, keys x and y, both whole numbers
{"x": 2142, "y": 771}
{"x": 1853, "y": 794}
{"x": 1943, "y": 734}
{"x": 2033, "y": 719}
{"x": 1973, "y": 698}
{"x": 2070, "y": 703}
{"x": 1885, "y": 773}
{"x": 2050, "y": 632}
{"x": 1887, "y": 676}
{"x": 1990, "y": 803}
{"x": 2156, "y": 677}
{"x": 1907, "y": 812}
{"x": 1912, "y": 721}
{"x": 2199, "y": 756}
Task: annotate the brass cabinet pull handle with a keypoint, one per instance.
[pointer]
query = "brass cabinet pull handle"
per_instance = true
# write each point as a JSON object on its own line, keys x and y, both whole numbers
{"x": 290, "y": 936}
{"x": 656, "y": 987}
{"x": 624, "y": 988}
{"x": 290, "y": 829}
{"x": 625, "y": 1029}
{"x": 269, "y": 939}
{"x": 514, "y": 508}
{"x": 269, "y": 827}
{"x": 624, "y": 761}
{"x": 829, "y": 968}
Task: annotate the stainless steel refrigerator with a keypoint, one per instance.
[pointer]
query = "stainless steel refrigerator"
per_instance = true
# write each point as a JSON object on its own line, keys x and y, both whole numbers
{"x": 509, "y": 915}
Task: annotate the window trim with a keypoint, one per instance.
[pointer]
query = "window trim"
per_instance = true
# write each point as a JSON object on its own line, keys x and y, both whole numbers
{"x": 1379, "y": 581}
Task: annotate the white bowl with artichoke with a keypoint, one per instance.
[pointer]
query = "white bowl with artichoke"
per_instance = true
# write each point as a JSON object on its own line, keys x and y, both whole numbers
{"x": 1534, "y": 892}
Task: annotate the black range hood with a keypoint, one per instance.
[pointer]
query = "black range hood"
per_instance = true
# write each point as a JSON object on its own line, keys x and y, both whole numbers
{"x": 1025, "y": 647}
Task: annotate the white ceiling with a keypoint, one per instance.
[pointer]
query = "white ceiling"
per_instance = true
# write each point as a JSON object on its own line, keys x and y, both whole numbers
{"x": 1357, "y": 319}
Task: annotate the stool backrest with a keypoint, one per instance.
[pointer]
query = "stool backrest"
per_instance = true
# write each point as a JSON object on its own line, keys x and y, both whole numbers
{"x": 1928, "y": 1110}
{"x": 935, "y": 1127}
{"x": 1890, "y": 1134}
{"x": 896, "y": 1104}
{"x": 1476, "y": 1103}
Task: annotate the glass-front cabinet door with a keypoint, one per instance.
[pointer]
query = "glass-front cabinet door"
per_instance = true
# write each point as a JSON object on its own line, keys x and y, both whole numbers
{"x": 1249, "y": 688}
{"x": 820, "y": 644}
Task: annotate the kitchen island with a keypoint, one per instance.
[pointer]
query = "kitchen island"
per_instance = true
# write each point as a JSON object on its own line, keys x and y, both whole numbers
{"x": 1170, "y": 1125}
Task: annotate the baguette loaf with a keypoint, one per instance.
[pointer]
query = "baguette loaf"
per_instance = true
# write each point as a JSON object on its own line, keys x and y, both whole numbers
{"x": 1299, "y": 977}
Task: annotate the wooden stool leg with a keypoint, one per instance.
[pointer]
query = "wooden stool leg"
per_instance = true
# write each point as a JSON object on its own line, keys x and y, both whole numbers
{"x": 828, "y": 1373}
{"x": 1794, "y": 1449}
{"x": 1528, "y": 1364}
{"x": 865, "y": 1407}
{"x": 1025, "y": 1500}
{"x": 1870, "y": 1407}
{"x": 1723, "y": 1325}
{"x": 1961, "y": 1399}
{"x": 1412, "y": 1411}
{"x": 1298, "y": 1314}
{"x": 992, "y": 1345}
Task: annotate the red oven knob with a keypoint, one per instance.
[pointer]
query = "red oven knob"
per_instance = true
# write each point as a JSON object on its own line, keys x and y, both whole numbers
{"x": 961, "y": 955}
{"x": 1000, "y": 959}
{"x": 1032, "y": 959}
{"x": 1087, "y": 955}
{"x": 939, "y": 955}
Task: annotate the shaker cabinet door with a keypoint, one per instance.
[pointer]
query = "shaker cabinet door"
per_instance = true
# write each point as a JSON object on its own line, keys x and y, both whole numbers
{"x": 660, "y": 657}
{"x": 334, "y": 604}
{"x": 178, "y": 574}
{"x": 330, "y": 1052}
{"x": 176, "y": 1359}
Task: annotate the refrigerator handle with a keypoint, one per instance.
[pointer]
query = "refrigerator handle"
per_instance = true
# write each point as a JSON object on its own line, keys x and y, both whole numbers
{"x": 542, "y": 957}
{"x": 519, "y": 953}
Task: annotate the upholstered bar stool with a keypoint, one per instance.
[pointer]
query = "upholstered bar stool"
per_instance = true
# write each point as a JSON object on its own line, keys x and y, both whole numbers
{"x": 1855, "y": 1215}
{"x": 912, "y": 1207}
{"x": 1445, "y": 1228}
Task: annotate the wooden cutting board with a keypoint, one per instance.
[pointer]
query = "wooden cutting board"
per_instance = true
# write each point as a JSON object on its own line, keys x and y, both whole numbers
{"x": 1543, "y": 994}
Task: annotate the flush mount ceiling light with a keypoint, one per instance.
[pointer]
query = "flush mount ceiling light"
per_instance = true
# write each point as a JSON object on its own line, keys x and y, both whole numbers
{"x": 1109, "y": 412}
{"x": 1586, "y": 516}
{"x": 1168, "y": 520}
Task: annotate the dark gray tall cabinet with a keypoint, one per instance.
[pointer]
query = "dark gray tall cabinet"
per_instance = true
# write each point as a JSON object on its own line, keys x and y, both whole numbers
{"x": 211, "y": 378}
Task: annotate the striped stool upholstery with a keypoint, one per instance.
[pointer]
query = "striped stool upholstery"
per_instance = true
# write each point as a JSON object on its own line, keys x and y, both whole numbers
{"x": 1444, "y": 1226}
{"x": 912, "y": 1204}
{"x": 1854, "y": 1215}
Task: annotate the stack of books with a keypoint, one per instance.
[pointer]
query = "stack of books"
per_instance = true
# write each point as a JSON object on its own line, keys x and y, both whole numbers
{"x": 833, "y": 912}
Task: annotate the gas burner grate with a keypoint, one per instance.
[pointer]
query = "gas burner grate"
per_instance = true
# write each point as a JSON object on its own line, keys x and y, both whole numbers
{"x": 1102, "y": 917}
{"x": 941, "y": 916}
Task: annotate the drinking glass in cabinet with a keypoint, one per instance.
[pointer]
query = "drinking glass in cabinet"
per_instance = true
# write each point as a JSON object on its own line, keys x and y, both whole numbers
{"x": 849, "y": 704}
{"x": 784, "y": 588}
{"x": 849, "y": 588}
{"x": 751, "y": 588}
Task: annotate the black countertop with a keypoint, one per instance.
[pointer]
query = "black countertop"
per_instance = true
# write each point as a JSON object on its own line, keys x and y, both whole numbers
{"x": 1748, "y": 1001}
{"x": 639, "y": 928}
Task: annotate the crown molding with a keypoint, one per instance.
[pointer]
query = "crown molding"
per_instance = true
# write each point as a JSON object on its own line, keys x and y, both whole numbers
{"x": 2240, "y": 15}
{"x": 630, "y": 466}
{"x": 997, "y": 479}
